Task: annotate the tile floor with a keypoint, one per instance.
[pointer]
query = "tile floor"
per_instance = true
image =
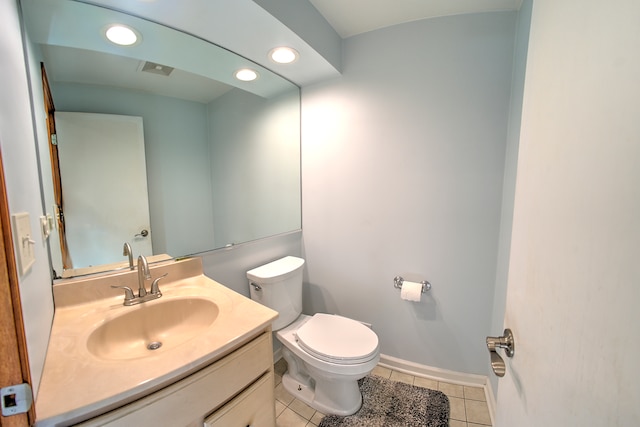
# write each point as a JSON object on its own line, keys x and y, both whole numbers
{"x": 468, "y": 407}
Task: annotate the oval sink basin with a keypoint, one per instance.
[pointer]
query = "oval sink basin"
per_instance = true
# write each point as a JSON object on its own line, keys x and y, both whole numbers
{"x": 151, "y": 328}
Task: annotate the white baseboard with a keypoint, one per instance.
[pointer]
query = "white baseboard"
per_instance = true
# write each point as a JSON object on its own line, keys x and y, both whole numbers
{"x": 445, "y": 375}
{"x": 491, "y": 401}
{"x": 432, "y": 373}
{"x": 437, "y": 374}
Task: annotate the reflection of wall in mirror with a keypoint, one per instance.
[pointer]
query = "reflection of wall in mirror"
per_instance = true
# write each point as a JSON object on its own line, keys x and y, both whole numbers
{"x": 256, "y": 165}
{"x": 251, "y": 166}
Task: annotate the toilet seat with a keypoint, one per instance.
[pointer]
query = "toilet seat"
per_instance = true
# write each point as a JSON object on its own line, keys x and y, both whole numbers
{"x": 337, "y": 339}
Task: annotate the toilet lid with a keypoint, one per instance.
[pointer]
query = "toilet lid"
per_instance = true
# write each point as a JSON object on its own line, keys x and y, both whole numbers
{"x": 337, "y": 339}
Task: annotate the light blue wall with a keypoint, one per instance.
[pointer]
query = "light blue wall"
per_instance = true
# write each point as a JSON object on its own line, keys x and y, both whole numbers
{"x": 17, "y": 141}
{"x": 403, "y": 160}
{"x": 229, "y": 266}
{"x": 177, "y": 155}
{"x": 511, "y": 161}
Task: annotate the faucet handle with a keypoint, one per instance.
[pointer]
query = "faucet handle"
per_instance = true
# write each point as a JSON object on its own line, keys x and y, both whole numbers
{"x": 154, "y": 285}
{"x": 128, "y": 293}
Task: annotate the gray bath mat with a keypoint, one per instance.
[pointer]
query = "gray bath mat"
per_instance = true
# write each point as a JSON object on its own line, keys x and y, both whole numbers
{"x": 387, "y": 403}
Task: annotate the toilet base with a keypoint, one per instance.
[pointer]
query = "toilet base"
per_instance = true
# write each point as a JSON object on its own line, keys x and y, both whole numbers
{"x": 349, "y": 403}
{"x": 327, "y": 387}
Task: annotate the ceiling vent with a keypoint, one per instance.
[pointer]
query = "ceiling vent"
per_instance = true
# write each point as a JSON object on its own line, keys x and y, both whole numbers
{"x": 152, "y": 67}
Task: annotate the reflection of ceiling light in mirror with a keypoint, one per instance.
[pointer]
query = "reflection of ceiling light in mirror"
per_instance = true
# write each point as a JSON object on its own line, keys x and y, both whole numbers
{"x": 283, "y": 55}
{"x": 122, "y": 35}
{"x": 246, "y": 74}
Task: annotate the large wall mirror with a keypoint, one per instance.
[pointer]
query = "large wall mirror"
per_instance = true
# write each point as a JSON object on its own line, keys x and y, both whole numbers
{"x": 221, "y": 156}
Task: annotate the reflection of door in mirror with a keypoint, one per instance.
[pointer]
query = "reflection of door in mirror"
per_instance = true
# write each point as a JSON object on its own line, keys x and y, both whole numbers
{"x": 62, "y": 254}
{"x": 102, "y": 168}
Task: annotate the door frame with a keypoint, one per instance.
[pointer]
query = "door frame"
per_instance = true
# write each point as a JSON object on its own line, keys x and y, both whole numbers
{"x": 14, "y": 359}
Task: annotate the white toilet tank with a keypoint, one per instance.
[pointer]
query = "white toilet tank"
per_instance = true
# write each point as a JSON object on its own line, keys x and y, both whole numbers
{"x": 280, "y": 284}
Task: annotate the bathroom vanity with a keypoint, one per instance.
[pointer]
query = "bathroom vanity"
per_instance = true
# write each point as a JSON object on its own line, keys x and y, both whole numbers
{"x": 199, "y": 355}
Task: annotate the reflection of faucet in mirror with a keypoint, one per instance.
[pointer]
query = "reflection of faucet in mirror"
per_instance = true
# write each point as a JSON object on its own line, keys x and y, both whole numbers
{"x": 126, "y": 251}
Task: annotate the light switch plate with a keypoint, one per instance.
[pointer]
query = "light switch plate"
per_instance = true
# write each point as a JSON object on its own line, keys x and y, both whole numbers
{"x": 23, "y": 240}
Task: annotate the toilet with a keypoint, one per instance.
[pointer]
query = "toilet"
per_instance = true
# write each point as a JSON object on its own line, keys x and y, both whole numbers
{"x": 326, "y": 354}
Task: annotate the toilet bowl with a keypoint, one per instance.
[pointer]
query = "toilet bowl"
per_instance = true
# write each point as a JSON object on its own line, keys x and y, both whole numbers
{"x": 326, "y": 354}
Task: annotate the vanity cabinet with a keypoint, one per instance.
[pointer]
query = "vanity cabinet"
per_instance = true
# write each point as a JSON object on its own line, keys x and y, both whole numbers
{"x": 248, "y": 408}
{"x": 236, "y": 390}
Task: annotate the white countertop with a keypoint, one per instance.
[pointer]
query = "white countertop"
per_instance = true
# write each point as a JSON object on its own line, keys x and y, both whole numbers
{"x": 76, "y": 385}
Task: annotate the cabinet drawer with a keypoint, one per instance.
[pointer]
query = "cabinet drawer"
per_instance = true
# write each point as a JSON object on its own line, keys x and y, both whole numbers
{"x": 253, "y": 407}
{"x": 186, "y": 402}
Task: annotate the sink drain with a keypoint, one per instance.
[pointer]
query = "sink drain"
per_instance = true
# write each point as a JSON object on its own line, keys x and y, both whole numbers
{"x": 154, "y": 345}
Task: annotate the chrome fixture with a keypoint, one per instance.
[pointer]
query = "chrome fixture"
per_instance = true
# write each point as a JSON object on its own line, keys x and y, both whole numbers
{"x": 398, "y": 281}
{"x": 126, "y": 251}
{"x": 257, "y": 287}
{"x": 507, "y": 343}
{"x": 155, "y": 289}
{"x": 142, "y": 233}
{"x": 143, "y": 274}
{"x": 129, "y": 297}
{"x": 143, "y": 296}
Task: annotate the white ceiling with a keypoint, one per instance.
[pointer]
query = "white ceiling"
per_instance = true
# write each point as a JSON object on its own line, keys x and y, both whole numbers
{"x": 351, "y": 17}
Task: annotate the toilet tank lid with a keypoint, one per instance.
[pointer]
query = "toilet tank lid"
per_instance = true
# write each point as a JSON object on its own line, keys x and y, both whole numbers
{"x": 277, "y": 270}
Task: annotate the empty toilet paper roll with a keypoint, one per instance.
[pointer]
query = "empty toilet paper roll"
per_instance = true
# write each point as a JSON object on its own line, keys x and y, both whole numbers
{"x": 411, "y": 291}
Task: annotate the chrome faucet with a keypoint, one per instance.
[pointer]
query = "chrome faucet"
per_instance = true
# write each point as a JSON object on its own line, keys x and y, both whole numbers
{"x": 126, "y": 251}
{"x": 143, "y": 275}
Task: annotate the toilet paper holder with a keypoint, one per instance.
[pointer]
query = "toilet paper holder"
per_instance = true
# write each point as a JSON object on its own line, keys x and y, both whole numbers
{"x": 398, "y": 280}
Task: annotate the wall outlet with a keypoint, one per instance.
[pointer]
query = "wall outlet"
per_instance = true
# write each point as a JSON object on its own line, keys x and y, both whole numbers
{"x": 23, "y": 241}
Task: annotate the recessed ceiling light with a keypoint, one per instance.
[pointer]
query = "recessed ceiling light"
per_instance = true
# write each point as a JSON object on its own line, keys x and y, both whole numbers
{"x": 122, "y": 35}
{"x": 283, "y": 55}
{"x": 246, "y": 74}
